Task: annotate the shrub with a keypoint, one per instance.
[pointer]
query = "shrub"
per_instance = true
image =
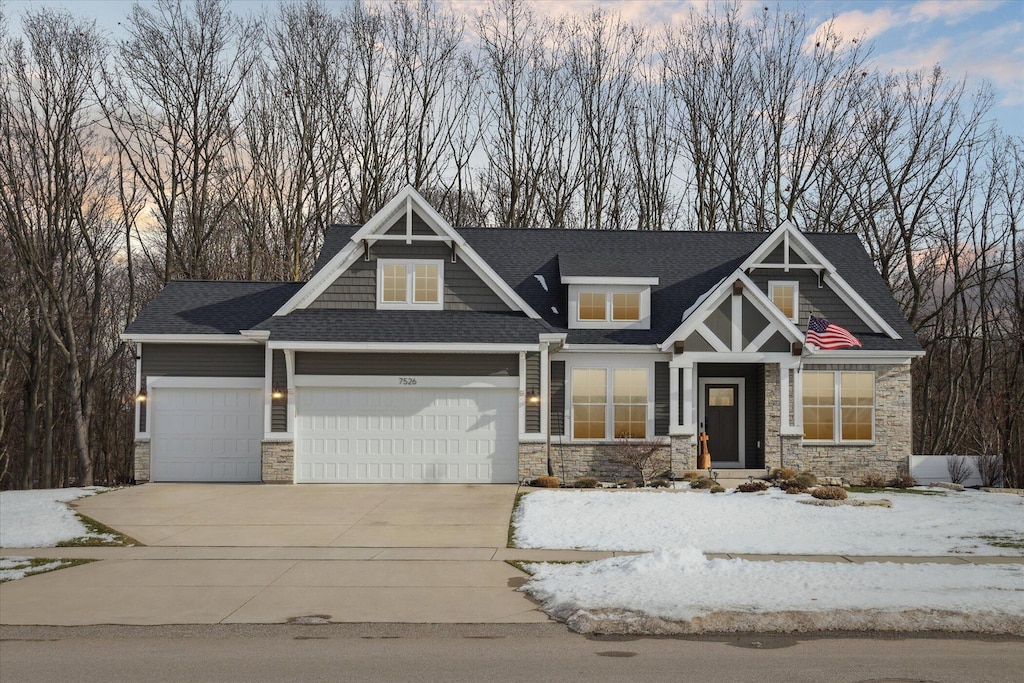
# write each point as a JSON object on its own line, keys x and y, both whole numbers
{"x": 873, "y": 480}
{"x": 717, "y": 488}
{"x": 829, "y": 493}
{"x": 783, "y": 473}
{"x": 626, "y": 484}
{"x": 546, "y": 482}
{"x": 752, "y": 486}
{"x": 807, "y": 479}
{"x": 643, "y": 456}
{"x": 990, "y": 469}
{"x": 903, "y": 480}
{"x": 702, "y": 483}
{"x": 660, "y": 483}
{"x": 586, "y": 483}
{"x": 691, "y": 475}
{"x": 958, "y": 467}
{"x": 792, "y": 486}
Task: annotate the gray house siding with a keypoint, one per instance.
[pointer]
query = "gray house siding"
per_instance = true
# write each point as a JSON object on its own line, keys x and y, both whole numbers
{"x": 557, "y": 397}
{"x": 203, "y": 360}
{"x": 394, "y": 364}
{"x": 356, "y": 288}
{"x": 533, "y": 386}
{"x": 279, "y": 382}
{"x": 821, "y": 302}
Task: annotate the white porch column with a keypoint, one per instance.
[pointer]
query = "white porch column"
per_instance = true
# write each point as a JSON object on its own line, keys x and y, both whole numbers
{"x": 522, "y": 393}
{"x": 689, "y": 404}
{"x": 268, "y": 387}
{"x": 798, "y": 399}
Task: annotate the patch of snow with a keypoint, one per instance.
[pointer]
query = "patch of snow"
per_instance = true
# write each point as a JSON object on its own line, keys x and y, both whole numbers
{"x": 14, "y": 568}
{"x": 41, "y": 519}
{"x": 554, "y": 310}
{"x": 542, "y": 281}
{"x": 770, "y": 522}
{"x": 641, "y": 593}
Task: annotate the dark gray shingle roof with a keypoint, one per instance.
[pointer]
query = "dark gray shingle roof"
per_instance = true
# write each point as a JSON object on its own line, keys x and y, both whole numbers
{"x": 211, "y": 307}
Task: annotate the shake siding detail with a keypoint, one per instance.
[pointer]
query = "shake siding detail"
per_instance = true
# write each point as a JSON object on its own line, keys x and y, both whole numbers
{"x": 557, "y": 397}
{"x": 661, "y": 399}
{"x": 407, "y": 364}
{"x": 820, "y": 302}
{"x": 279, "y": 382}
{"x": 533, "y": 386}
{"x": 356, "y": 288}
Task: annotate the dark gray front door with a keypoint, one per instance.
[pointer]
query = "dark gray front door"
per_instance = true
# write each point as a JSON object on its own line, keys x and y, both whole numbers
{"x": 722, "y": 414}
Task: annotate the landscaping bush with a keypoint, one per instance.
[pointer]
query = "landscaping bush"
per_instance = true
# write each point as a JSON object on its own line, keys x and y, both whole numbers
{"x": 807, "y": 479}
{"x": 717, "y": 488}
{"x": 959, "y": 468}
{"x": 829, "y": 493}
{"x": 545, "y": 482}
{"x": 990, "y": 469}
{"x": 702, "y": 483}
{"x": 903, "y": 480}
{"x": 752, "y": 486}
{"x": 645, "y": 457}
{"x": 783, "y": 473}
{"x": 626, "y": 484}
{"x": 691, "y": 475}
{"x": 792, "y": 486}
{"x": 586, "y": 483}
{"x": 660, "y": 483}
{"x": 873, "y": 480}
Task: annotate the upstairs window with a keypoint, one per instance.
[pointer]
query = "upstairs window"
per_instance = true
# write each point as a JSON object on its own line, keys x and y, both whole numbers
{"x": 784, "y": 296}
{"x": 592, "y": 306}
{"x": 410, "y": 284}
{"x": 618, "y": 307}
{"x": 626, "y": 306}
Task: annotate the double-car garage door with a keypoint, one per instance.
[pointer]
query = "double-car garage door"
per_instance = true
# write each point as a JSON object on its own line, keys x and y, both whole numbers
{"x": 406, "y": 434}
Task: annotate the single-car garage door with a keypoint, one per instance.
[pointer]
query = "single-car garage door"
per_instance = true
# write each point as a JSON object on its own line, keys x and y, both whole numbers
{"x": 442, "y": 435}
{"x": 203, "y": 434}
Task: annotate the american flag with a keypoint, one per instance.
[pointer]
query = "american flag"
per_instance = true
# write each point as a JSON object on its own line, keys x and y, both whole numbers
{"x": 827, "y": 336}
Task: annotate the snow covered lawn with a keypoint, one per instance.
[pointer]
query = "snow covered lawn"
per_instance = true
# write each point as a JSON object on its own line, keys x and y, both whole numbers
{"x": 967, "y": 522}
{"x": 42, "y": 519}
{"x": 681, "y": 591}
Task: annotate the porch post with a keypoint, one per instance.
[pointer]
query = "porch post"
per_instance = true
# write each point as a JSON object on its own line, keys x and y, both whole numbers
{"x": 689, "y": 414}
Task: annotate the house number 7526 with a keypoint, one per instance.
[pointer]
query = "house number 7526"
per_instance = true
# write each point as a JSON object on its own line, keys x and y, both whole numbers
{"x": 407, "y": 381}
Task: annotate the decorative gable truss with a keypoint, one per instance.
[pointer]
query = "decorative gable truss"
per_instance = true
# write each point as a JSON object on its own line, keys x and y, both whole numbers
{"x": 386, "y": 226}
{"x": 787, "y": 249}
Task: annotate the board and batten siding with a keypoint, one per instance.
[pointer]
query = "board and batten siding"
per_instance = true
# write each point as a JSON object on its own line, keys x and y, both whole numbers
{"x": 279, "y": 382}
{"x": 198, "y": 360}
{"x": 395, "y": 364}
{"x": 356, "y": 288}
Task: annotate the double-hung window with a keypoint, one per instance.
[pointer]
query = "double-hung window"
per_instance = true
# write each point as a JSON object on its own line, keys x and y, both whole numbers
{"x": 609, "y": 403}
{"x": 410, "y": 284}
{"x": 839, "y": 406}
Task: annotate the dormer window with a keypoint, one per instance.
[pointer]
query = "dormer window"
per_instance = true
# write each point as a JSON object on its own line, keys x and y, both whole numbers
{"x": 785, "y": 296}
{"x": 626, "y": 306}
{"x": 609, "y": 302}
{"x": 410, "y": 284}
{"x": 593, "y": 306}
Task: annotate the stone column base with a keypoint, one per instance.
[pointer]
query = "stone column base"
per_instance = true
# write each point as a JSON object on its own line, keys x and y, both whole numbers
{"x": 142, "y": 460}
{"x": 278, "y": 462}
{"x": 533, "y": 461}
{"x": 684, "y": 455}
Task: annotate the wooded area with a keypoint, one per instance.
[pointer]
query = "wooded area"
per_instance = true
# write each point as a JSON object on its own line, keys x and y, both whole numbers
{"x": 203, "y": 144}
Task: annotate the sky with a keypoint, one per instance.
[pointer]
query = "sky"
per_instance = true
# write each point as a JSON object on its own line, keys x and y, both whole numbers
{"x": 982, "y": 39}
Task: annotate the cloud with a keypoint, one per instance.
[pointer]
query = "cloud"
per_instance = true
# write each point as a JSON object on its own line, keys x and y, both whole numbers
{"x": 952, "y": 12}
{"x": 855, "y": 23}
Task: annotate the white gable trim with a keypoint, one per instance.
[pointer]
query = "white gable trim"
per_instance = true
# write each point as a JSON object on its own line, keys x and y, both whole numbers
{"x": 696, "y": 315}
{"x": 788, "y": 235}
{"x": 404, "y": 201}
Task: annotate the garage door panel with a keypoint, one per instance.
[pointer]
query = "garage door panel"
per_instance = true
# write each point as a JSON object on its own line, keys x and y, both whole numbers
{"x": 407, "y": 435}
{"x": 206, "y": 434}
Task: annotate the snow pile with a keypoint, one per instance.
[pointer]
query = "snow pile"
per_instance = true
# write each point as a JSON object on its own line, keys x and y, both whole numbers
{"x": 13, "y": 568}
{"x": 41, "y": 519}
{"x": 681, "y": 591}
{"x": 771, "y": 522}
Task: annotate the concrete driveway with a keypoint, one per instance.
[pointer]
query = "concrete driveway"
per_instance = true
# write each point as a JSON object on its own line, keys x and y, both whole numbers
{"x": 277, "y": 554}
{"x": 322, "y": 515}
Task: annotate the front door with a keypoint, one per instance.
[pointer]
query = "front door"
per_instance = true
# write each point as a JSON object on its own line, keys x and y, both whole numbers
{"x": 722, "y": 403}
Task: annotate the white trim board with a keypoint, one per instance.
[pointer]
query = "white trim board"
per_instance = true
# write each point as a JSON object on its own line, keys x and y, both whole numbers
{"x": 401, "y": 347}
{"x": 167, "y": 381}
{"x": 406, "y": 382}
{"x": 190, "y": 338}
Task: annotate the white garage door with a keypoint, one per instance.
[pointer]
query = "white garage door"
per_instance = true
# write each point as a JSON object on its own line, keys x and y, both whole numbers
{"x": 206, "y": 434}
{"x": 407, "y": 435}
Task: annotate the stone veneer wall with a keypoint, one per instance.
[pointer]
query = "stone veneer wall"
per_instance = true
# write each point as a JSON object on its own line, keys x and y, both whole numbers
{"x": 892, "y": 447}
{"x": 278, "y": 462}
{"x": 573, "y": 461}
{"x": 142, "y": 460}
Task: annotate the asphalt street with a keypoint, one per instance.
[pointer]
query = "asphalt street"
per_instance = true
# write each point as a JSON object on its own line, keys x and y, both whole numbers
{"x": 502, "y": 652}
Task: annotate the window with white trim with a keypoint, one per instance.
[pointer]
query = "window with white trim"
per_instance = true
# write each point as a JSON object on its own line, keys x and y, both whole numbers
{"x": 609, "y": 410}
{"x": 839, "y": 406}
{"x": 785, "y": 295}
{"x": 416, "y": 283}
{"x": 609, "y": 306}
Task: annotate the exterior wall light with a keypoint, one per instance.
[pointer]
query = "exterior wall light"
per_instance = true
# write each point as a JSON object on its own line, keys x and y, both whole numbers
{"x": 277, "y": 394}
{"x": 533, "y": 397}
{"x": 141, "y": 398}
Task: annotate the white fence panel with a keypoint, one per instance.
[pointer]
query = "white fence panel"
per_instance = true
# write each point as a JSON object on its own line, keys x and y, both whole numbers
{"x": 929, "y": 468}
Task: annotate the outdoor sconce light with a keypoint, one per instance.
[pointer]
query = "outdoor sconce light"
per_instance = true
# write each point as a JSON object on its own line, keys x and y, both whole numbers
{"x": 533, "y": 397}
{"x": 277, "y": 394}
{"x": 141, "y": 398}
